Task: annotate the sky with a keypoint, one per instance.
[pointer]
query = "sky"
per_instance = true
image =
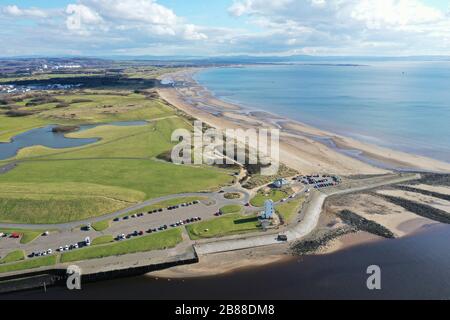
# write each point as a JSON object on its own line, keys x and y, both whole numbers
{"x": 224, "y": 27}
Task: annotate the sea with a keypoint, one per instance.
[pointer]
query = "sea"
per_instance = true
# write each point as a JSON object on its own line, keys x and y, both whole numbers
{"x": 414, "y": 267}
{"x": 400, "y": 105}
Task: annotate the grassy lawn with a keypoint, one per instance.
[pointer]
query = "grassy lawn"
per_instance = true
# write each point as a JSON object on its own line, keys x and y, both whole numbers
{"x": 274, "y": 194}
{"x": 223, "y": 226}
{"x": 101, "y": 225}
{"x": 13, "y": 256}
{"x": 231, "y": 208}
{"x": 27, "y": 236}
{"x": 61, "y": 202}
{"x": 157, "y": 241}
{"x": 289, "y": 210}
{"x": 103, "y": 240}
{"x": 29, "y": 264}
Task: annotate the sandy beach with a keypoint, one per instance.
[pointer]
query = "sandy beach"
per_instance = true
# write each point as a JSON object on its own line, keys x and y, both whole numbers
{"x": 308, "y": 150}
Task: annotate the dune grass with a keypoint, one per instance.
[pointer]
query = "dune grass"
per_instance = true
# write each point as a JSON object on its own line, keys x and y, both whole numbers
{"x": 290, "y": 209}
{"x": 223, "y": 226}
{"x": 13, "y": 256}
{"x": 157, "y": 241}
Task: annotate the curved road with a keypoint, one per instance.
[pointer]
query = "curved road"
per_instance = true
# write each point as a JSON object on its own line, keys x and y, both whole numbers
{"x": 214, "y": 196}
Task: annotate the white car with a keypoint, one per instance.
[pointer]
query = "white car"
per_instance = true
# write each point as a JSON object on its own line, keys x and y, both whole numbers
{"x": 49, "y": 251}
{"x": 60, "y": 249}
{"x": 66, "y": 248}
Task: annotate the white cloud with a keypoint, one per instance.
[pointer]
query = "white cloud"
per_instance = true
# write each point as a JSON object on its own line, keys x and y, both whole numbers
{"x": 393, "y": 13}
{"x": 140, "y": 17}
{"x": 82, "y": 18}
{"x": 15, "y": 11}
{"x": 352, "y": 26}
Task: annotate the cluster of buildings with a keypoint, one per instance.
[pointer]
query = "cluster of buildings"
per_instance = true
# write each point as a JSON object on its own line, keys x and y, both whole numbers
{"x": 13, "y": 89}
{"x": 46, "y": 67}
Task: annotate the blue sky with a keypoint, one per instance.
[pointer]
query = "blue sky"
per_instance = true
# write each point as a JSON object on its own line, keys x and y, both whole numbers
{"x": 225, "y": 27}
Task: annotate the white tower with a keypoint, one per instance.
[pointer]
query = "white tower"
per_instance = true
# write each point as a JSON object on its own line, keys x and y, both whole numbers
{"x": 269, "y": 210}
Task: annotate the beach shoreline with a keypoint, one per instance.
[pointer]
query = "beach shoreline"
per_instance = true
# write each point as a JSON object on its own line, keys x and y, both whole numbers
{"x": 302, "y": 147}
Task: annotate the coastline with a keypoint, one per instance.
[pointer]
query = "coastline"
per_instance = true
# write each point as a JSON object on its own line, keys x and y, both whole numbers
{"x": 302, "y": 147}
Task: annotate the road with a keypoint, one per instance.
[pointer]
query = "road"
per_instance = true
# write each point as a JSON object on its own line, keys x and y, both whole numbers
{"x": 212, "y": 196}
{"x": 311, "y": 213}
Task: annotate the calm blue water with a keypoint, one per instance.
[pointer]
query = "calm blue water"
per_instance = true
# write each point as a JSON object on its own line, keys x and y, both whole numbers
{"x": 404, "y": 106}
{"x": 46, "y": 137}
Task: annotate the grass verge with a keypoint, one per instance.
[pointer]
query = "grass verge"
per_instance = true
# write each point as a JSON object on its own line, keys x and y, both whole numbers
{"x": 226, "y": 225}
{"x": 26, "y": 236}
{"x": 13, "y": 256}
{"x": 101, "y": 225}
{"x": 29, "y": 264}
{"x": 288, "y": 210}
{"x": 157, "y": 241}
{"x": 103, "y": 240}
{"x": 231, "y": 208}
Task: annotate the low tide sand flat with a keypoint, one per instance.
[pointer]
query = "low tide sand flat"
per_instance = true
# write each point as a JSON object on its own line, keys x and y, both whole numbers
{"x": 299, "y": 149}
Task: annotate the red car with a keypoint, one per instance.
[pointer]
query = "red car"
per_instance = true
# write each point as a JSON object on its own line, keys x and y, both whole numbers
{"x": 15, "y": 235}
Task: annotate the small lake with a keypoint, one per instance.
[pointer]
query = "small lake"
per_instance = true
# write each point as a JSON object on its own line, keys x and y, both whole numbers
{"x": 44, "y": 136}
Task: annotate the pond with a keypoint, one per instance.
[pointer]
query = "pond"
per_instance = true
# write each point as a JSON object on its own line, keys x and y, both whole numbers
{"x": 45, "y": 136}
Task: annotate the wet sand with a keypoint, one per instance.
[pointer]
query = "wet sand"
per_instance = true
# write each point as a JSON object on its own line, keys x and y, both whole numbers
{"x": 302, "y": 147}
{"x": 306, "y": 149}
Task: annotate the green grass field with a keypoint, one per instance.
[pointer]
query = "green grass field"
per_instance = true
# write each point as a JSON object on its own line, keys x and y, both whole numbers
{"x": 273, "y": 194}
{"x": 103, "y": 240}
{"x": 13, "y": 256}
{"x": 29, "y": 264}
{"x": 231, "y": 208}
{"x": 223, "y": 226}
{"x": 157, "y": 241}
{"x": 62, "y": 185}
{"x": 289, "y": 210}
